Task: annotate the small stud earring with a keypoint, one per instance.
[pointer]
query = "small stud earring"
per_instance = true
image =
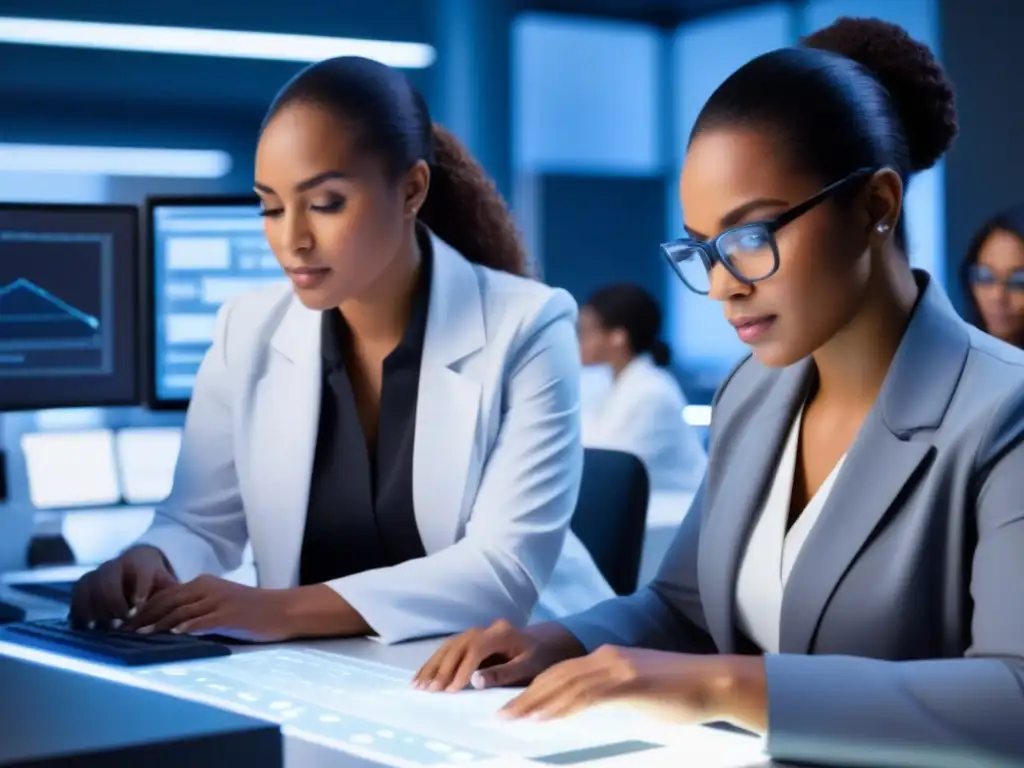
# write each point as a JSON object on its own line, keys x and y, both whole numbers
{"x": 883, "y": 228}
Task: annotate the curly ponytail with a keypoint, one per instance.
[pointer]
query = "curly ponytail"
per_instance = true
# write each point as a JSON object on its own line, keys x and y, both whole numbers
{"x": 464, "y": 208}
{"x": 860, "y": 93}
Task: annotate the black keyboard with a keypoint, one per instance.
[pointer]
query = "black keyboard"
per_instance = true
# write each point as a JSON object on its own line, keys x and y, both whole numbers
{"x": 111, "y": 646}
{"x": 60, "y": 591}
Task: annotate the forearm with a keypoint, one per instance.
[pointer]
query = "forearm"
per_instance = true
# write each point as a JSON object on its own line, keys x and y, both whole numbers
{"x": 319, "y": 611}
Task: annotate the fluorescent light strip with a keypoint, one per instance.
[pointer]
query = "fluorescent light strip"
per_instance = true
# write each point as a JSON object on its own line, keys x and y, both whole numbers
{"x": 114, "y": 161}
{"x": 209, "y": 42}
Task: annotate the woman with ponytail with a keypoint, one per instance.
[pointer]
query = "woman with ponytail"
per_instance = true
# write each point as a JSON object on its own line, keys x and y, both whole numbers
{"x": 642, "y": 412}
{"x": 397, "y": 432}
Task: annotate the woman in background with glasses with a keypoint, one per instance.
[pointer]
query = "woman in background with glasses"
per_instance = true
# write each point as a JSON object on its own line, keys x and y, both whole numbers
{"x": 849, "y": 580}
{"x": 993, "y": 273}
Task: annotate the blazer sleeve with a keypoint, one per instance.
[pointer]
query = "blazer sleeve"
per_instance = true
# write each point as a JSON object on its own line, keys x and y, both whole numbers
{"x": 927, "y": 714}
{"x": 201, "y": 527}
{"x": 521, "y": 514}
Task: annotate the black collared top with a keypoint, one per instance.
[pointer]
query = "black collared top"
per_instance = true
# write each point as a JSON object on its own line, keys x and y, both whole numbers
{"x": 360, "y": 513}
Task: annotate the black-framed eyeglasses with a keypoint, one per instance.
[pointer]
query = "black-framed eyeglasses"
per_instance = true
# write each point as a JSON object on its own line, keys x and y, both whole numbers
{"x": 979, "y": 276}
{"x": 749, "y": 252}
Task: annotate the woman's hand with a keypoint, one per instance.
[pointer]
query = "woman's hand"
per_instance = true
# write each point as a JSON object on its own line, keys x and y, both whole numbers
{"x": 211, "y": 605}
{"x": 497, "y": 656}
{"x": 109, "y": 595}
{"x": 680, "y": 688}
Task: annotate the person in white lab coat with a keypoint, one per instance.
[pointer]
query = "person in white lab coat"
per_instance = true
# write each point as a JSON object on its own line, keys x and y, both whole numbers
{"x": 396, "y": 432}
{"x": 642, "y": 411}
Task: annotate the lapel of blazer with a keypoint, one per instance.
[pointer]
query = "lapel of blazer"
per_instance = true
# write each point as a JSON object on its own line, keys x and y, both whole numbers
{"x": 748, "y": 463}
{"x": 449, "y": 401}
{"x": 287, "y": 408}
{"x": 446, "y": 416}
{"x": 887, "y": 456}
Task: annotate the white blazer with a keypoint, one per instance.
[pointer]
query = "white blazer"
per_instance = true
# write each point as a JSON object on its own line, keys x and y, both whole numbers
{"x": 642, "y": 413}
{"x": 496, "y": 465}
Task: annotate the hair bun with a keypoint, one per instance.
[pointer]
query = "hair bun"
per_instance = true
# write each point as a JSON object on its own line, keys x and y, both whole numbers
{"x": 915, "y": 81}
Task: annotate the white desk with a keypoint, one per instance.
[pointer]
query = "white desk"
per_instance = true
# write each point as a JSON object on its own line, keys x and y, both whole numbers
{"x": 347, "y": 703}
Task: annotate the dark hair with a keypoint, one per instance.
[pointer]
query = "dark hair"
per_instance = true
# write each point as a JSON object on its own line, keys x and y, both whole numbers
{"x": 392, "y": 121}
{"x": 634, "y": 310}
{"x": 1008, "y": 220}
{"x": 860, "y": 93}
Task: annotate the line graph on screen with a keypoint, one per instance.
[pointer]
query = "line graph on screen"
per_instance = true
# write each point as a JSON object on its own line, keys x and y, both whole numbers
{"x": 31, "y": 317}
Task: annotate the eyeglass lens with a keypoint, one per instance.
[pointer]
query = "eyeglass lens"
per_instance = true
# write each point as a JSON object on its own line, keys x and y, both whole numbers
{"x": 985, "y": 277}
{"x": 748, "y": 252}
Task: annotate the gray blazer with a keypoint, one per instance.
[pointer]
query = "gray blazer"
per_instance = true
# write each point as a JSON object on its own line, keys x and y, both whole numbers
{"x": 902, "y": 633}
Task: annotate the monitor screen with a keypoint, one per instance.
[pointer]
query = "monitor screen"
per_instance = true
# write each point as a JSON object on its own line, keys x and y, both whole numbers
{"x": 68, "y": 306}
{"x": 204, "y": 252}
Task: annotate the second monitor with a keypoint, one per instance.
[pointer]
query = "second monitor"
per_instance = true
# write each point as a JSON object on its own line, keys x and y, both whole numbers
{"x": 204, "y": 251}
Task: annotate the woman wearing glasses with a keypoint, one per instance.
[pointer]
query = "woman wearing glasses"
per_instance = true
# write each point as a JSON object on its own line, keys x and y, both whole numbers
{"x": 994, "y": 273}
{"x": 848, "y": 583}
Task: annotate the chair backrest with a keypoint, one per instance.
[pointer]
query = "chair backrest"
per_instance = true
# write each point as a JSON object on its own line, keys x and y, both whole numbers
{"x": 611, "y": 514}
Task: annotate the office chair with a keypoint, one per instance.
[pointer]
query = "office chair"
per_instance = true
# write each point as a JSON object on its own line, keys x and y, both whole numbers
{"x": 611, "y": 515}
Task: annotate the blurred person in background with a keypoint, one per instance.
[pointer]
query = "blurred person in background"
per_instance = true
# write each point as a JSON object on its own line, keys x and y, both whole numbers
{"x": 642, "y": 411}
{"x": 993, "y": 274}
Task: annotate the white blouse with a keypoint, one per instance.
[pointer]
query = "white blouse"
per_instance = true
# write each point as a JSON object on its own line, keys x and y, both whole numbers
{"x": 771, "y": 551}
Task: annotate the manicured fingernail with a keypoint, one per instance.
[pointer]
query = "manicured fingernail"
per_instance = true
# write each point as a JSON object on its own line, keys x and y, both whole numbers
{"x": 116, "y": 624}
{"x": 434, "y": 687}
{"x": 134, "y": 609}
{"x": 148, "y": 630}
{"x": 477, "y": 681}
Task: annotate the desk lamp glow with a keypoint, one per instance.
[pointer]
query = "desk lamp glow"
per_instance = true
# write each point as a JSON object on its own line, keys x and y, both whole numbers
{"x": 209, "y": 42}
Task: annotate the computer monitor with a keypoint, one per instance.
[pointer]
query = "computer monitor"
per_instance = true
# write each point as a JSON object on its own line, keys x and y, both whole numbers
{"x": 204, "y": 251}
{"x": 68, "y": 306}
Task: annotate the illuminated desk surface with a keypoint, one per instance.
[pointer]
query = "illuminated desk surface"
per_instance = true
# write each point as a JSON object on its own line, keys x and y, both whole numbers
{"x": 353, "y": 698}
